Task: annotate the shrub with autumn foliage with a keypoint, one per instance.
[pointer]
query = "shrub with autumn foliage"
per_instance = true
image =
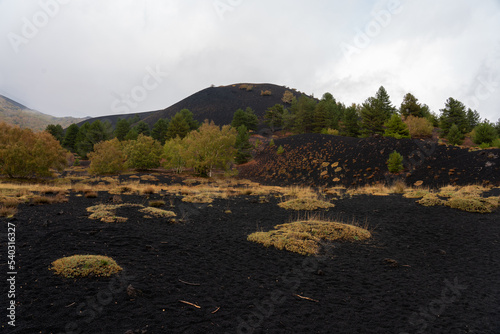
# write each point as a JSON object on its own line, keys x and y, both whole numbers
{"x": 419, "y": 127}
{"x": 210, "y": 147}
{"x": 26, "y": 154}
{"x": 107, "y": 158}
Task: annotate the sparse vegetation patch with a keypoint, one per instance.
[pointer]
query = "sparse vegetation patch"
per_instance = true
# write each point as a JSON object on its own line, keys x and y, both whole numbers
{"x": 77, "y": 266}
{"x": 304, "y": 236}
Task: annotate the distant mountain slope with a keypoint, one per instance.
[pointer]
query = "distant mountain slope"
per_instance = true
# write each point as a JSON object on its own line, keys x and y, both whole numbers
{"x": 216, "y": 103}
{"x": 15, "y": 113}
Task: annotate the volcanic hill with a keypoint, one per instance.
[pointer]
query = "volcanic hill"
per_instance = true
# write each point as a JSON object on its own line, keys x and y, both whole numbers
{"x": 216, "y": 103}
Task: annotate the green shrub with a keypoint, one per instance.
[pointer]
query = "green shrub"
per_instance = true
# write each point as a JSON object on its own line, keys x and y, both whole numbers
{"x": 484, "y": 133}
{"x": 271, "y": 143}
{"x": 395, "y": 162}
{"x": 332, "y": 132}
{"x": 496, "y": 143}
{"x": 455, "y": 136}
{"x": 396, "y": 128}
{"x": 143, "y": 153}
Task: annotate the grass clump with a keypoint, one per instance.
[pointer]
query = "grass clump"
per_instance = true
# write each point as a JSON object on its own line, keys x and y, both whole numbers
{"x": 304, "y": 236}
{"x": 430, "y": 200}
{"x": 85, "y": 266}
{"x": 417, "y": 193}
{"x": 303, "y": 198}
{"x": 107, "y": 213}
{"x": 7, "y": 212}
{"x": 155, "y": 212}
{"x": 305, "y": 204}
{"x": 201, "y": 197}
{"x": 473, "y": 204}
{"x": 157, "y": 203}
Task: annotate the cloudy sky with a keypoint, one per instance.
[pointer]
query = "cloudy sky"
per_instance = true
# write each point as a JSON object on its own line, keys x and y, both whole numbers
{"x": 94, "y": 57}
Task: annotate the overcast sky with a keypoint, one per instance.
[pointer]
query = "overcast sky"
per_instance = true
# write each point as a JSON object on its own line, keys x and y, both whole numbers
{"x": 94, "y": 57}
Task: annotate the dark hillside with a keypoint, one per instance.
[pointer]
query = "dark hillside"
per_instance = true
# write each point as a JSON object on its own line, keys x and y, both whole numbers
{"x": 324, "y": 160}
{"x": 220, "y": 103}
{"x": 216, "y": 103}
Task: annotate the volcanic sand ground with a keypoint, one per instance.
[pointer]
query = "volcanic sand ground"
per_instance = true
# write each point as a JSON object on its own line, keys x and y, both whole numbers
{"x": 425, "y": 270}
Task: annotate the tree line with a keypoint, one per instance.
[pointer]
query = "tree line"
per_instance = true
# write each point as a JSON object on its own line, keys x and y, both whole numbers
{"x": 379, "y": 116}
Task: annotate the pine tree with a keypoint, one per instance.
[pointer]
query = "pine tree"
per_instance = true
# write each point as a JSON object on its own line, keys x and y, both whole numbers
{"x": 410, "y": 106}
{"x": 396, "y": 128}
{"x": 160, "y": 129}
{"x": 178, "y": 126}
{"x": 92, "y": 134}
{"x": 395, "y": 162}
{"x": 239, "y": 118}
{"x": 320, "y": 116}
{"x": 304, "y": 114}
{"x": 384, "y": 103}
{"x": 473, "y": 119}
{"x": 188, "y": 116}
{"x": 122, "y": 128}
{"x": 455, "y": 136}
{"x": 350, "y": 122}
{"x": 251, "y": 119}
{"x": 57, "y": 131}
{"x": 274, "y": 116}
{"x": 70, "y": 137}
{"x": 453, "y": 113}
{"x": 243, "y": 145}
{"x": 372, "y": 117}
{"x": 142, "y": 128}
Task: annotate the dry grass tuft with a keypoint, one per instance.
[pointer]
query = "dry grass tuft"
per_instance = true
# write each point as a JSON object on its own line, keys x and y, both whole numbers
{"x": 157, "y": 203}
{"x": 10, "y": 202}
{"x": 85, "y": 266}
{"x": 304, "y": 236}
{"x": 159, "y": 213}
{"x": 42, "y": 200}
{"x": 373, "y": 190}
{"x": 416, "y": 193}
{"x": 198, "y": 198}
{"x": 398, "y": 187}
{"x": 305, "y": 204}
{"x": 148, "y": 190}
{"x": 7, "y": 212}
{"x": 430, "y": 200}
{"x": 303, "y": 198}
{"x": 107, "y": 212}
